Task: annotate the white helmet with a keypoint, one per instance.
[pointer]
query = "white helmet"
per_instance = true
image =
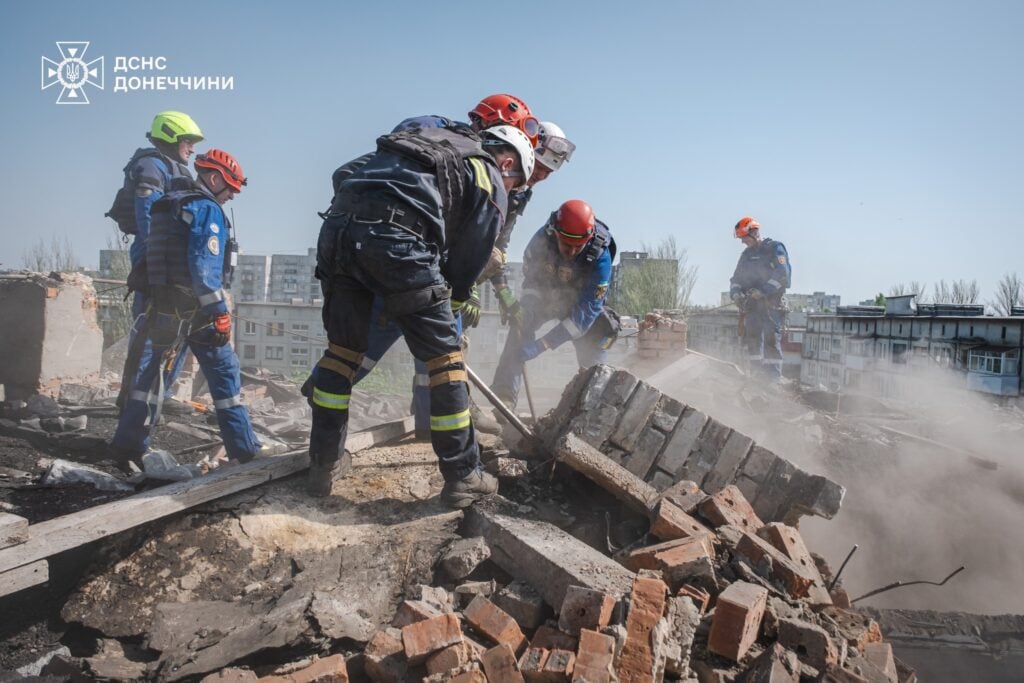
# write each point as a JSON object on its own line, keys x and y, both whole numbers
{"x": 512, "y": 136}
{"x": 553, "y": 148}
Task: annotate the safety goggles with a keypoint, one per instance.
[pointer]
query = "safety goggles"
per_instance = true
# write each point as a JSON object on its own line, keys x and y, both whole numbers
{"x": 529, "y": 125}
{"x": 556, "y": 149}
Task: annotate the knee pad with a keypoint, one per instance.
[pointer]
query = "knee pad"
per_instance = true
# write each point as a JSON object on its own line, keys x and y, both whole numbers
{"x": 341, "y": 361}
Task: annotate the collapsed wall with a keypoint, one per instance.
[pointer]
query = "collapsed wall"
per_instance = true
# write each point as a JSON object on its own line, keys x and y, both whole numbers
{"x": 48, "y": 331}
{"x": 663, "y": 441}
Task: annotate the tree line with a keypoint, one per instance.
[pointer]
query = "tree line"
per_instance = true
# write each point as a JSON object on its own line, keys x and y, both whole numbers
{"x": 1009, "y": 292}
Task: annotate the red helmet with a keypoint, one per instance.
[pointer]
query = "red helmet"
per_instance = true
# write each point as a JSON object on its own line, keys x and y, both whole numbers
{"x": 745, "y": 225}
{"x": 225, "y": 164}
{"x": 574, "y": 222}
{"x": 508, "y": 109}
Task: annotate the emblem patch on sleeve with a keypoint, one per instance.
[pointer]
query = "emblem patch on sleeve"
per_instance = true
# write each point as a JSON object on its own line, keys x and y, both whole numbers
{"x": 214, "y": 228}
{"x": 600, "y": 291}
{"x": 782, "y": 260}
{"x": 213, "y": 245}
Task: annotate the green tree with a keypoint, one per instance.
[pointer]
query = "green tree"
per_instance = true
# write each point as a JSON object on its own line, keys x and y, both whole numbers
{"x": 663, "y": 280}
{"x": 57, "y": 255}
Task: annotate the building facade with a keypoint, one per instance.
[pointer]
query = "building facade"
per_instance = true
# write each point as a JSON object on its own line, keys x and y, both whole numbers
{"x": 292, "y": 278}
{"x": 716, "y": 333}
{"x": 880, "y": 350}
{"x": 251, "y": 278}
{"x": 284, "y": 338}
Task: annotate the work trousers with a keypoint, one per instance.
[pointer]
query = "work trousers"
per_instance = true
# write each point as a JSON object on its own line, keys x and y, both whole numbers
{"x": 762, "y": 336}
{"x": 403, "y": 270}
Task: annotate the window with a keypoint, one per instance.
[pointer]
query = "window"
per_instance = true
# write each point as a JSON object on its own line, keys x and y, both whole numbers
{"x": 249, "y": 352}
{"x": 274, "y": 353}
{"x": 250, "y": 327}
{"x": 943, "y": 329}
{"x": 993, "y": 362}
{"x": 1004, "y": 332}
{"x": 300, "y": 351}
{"x": 300, "y": 326}
{"x": 901, "y": 328}
{"x": 899, "y": 353}
{"x": 300, "y": 363}
{"x": 275, "y": 329}
{"x": 971, "y": 333}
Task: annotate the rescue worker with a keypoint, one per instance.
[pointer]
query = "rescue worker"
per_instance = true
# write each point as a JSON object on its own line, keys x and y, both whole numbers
{"x": 414, "y": 227}
{"x": 762, "y": 276}
{"x": 188, "y": 262}
{"x": 148, "y": 176}
{"x": 567, "y": 267}
{"x": 492, "y": 110}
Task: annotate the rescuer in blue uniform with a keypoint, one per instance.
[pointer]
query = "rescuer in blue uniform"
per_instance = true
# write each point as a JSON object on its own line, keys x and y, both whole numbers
{"x": 414, "y": 226}
{"x": 567, "y": 267}
{"x": 148, "y": 176}
{"x": 188, "y": 259}
{"x": 761, "y": 278}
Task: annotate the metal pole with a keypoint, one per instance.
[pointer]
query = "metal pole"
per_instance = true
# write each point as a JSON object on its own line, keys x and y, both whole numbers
{"x": 529, "y": 394}
{"x": 502, "y": 408}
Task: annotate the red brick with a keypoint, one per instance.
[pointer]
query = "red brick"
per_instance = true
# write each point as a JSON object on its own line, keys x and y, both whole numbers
{"x": 788, "y": 541}
{"x": 836, "y": 674}
{"x": 700, "y": 597}
{"x": 501, "y": 666}
{"x": 737, "y": 619}
{"x": 495, "y": 623}
{"x": 670, "y": 523}
{"x": 585, "y": 608}
{"x": 531, "y": 664}
{"x": 451, "y": 657}
{"x": 730, "y": 506}
{"x": 327, "y": 670}
{"x": 474, "y": 676}
{"x": 559, "y": 666}
{"x": 430, "y": 635}
{"x": 411, "y": 611}
{"x": 670, "y": 554}
{"x": 810, "y": 642}
{"x": 880, "y": 654}
{"x": 647, "y": 604}
{"x": 760, "y": 553}
{"x": 231, "y": 675}
{"x": 385, "y": 657}
{"x": 594, "y": 658}
{"x": 553, "y": 639}
{"x": 857, "y": 629}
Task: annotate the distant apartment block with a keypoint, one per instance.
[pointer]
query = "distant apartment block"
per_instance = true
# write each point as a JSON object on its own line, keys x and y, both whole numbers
{"x": 292, "y": 278}
{"x": 716, "y": 333}
{"x": 284, "y": 338}
{"x": 876, "y": 350}
{"x": 252, "y": 278}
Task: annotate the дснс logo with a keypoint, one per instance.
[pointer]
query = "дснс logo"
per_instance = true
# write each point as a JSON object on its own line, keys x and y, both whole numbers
{"x": 72, "y": 72}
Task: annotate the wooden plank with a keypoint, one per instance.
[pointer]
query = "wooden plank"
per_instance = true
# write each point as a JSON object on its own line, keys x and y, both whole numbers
{"x": 70, "y": 531}
{"x": 24, "y": 577}
{"x": 13, "y": 529}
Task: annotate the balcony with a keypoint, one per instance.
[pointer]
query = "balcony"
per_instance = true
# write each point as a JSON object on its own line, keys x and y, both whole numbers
{"x": 999, "y": 385}
{"x": 861, "y": 363}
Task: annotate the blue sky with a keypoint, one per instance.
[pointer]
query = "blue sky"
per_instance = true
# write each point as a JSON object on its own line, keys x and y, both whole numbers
{"x": 880, "y": 141}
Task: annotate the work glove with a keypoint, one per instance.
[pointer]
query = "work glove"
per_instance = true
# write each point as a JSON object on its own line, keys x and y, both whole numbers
{"x": 469, "y": 309}
{"x": 221, "y": 329}
{"x": 511, "y": 311}
{"x": 755, "y": 294}
{"x": 533, "y": 349}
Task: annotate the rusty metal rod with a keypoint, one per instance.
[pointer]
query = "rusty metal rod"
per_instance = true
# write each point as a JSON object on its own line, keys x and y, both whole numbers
{"x": 842, "y": 567}
{"x": 899, "y": 584}
{"x": 502, "y": 408}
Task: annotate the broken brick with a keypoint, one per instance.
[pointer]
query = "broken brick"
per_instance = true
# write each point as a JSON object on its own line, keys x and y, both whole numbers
{"x": 810, "y": 642}
{"x": 685, "y": 560}
{"x": 585, "y": 608}
{"x": 531, "y": 664}
{"x": 787, "y": 540}
{"x": 685, "y": 495}
{"x": 385, "y": 657}
{"x": 430, "y": 635}
{"x": 880, "y": 655}
{"x": 501, "y": 666}
{"x": 594, "y": 658}
{"x": 490, "y": 620}
{"x": 523, "y": 603}
{"x": 737, "y": 619}
{"x": 699, "y": 596}
{"x": 559, "y": 666}
{"x": 836, "y": 674}
{"x": 327, "y": 670}
{"x": 471, "y": 676}
{"x": 552, "y": 639}
{"x": 730, "y": 506}
{"x": 647, "y": 604}
{"x": 229, "y": 675}
{"x": 451, "y": 657}
{"x": 670, "y": 523}
{"x": 771, "y": 564}
{"x": 774, "y": 665}
{"x": 857, "y": 629}
{"x": 411, "y": 611}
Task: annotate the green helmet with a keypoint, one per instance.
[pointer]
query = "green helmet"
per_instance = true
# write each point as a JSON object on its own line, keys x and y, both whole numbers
{"x": 171, "y": 126}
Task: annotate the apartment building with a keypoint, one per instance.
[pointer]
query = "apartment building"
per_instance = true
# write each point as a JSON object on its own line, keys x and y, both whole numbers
{"x": 252, "y": 277}
{"x": 877, "y": 349}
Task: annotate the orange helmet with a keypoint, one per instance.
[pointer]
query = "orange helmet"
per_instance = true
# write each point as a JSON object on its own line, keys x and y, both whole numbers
{"x": 225, "y": 164}
{"x": 745, "y": 225}
{"x": 508, "y": 109}
{"x": 574, "y": 222}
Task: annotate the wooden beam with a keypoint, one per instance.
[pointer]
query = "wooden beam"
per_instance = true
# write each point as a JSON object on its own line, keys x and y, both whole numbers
{"x": 70, "y": 531}
{"x": 13, "y": 529}
{"x": 24, "y": 577}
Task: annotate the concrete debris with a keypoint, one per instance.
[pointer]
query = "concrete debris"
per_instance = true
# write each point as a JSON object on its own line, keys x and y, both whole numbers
{"x": 66, "y": 473}
{"x": 464, "y": 556}
{"x": 49, "y": 333}
{"x": 161, "y": 466}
